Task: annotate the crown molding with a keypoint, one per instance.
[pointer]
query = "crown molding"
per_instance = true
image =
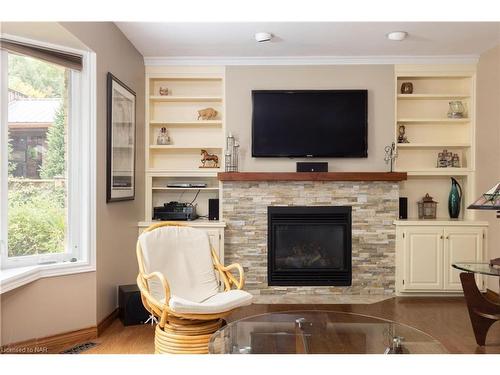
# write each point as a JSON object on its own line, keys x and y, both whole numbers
{"x": 310, "y": 60}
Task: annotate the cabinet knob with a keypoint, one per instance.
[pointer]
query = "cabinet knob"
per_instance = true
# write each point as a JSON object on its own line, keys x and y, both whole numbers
{"x": 441, "y": 236}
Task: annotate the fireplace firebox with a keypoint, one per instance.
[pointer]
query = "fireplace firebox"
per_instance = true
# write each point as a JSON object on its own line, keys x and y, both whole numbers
{"x": 309, "y": 246}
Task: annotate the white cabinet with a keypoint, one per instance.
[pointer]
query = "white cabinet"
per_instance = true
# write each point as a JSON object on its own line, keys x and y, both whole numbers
{"x": 423, "y": 259}
{"x": 461, "y": 245}
{"x": 425, "y": 253}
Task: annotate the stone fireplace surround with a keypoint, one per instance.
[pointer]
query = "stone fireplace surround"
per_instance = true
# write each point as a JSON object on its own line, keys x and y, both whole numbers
{"x": 374, "y": 208}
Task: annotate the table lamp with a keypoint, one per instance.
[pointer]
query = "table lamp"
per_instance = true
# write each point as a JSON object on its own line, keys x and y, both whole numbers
{"x": 489, "y": 201}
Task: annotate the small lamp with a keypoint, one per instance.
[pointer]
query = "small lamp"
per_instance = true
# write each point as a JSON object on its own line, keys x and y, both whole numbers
{"x": 427, "y": 208}
{"x": 489, "y": 201}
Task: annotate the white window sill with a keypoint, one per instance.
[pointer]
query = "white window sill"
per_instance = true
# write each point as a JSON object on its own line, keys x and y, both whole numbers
{"x": 12, "y": 278}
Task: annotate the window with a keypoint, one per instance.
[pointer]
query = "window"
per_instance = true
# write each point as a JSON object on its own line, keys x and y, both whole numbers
{"x": 46, "y": 161}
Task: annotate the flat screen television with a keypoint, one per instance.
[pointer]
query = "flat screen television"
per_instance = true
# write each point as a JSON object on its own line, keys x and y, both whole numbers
{"x": 310, "y": 123}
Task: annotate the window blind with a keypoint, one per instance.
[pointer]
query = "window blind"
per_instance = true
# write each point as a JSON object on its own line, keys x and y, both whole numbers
{"x": 68, "y": 60}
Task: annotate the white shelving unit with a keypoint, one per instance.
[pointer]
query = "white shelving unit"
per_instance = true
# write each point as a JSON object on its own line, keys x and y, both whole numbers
{"x": 429, "y": 131}
{"x": 425, "y": 249}
{"x": 190, "y": 89}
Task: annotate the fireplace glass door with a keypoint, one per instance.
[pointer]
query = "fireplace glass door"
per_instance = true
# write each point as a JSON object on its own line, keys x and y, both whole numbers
{"x": 309, "y": 245}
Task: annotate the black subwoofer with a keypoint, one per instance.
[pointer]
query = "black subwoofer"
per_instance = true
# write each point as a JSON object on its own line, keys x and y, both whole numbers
{"x": 131, "y": 309}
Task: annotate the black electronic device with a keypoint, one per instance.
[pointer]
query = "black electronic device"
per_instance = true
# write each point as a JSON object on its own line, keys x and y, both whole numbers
{"x": 213, "y": 209}
{"x": 175, "y": 211}
{"x": 312, "y": 167}
{"x": 403, "y": 207}
{"x": 130, "y": 308}
{"x": 310, "y": 123}
{"x": 183, "y": 185}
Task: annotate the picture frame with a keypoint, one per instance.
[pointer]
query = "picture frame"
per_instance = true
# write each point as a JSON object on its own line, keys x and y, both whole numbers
{"x": 121, "y": 139}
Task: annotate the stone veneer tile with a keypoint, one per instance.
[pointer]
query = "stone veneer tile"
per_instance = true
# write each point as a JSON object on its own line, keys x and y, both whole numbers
{"x": 374, "y": 207}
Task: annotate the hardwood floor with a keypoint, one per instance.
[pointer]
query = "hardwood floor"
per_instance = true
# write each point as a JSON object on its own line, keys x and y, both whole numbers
{"x": 445, "y": 318}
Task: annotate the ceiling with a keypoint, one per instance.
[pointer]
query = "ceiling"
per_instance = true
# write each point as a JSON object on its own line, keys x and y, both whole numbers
{"x": 303, "y": 39}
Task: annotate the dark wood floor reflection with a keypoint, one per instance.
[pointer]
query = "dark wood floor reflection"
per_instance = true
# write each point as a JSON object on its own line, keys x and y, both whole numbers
{"x": 444, "y": 318}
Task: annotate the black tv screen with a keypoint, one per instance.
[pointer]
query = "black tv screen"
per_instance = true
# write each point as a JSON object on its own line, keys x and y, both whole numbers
{"x": 310, "y": 123}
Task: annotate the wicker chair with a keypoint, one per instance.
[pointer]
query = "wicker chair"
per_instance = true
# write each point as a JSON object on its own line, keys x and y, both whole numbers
{"x": 178, "y": 285}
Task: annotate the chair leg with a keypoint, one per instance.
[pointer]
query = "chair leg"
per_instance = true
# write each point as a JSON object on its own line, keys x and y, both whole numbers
{"x": 182, "y": 336}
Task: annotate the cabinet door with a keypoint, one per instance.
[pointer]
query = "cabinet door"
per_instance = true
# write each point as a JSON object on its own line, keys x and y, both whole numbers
{"x": 423, "y": 259}
{"x": 461, "y": 245}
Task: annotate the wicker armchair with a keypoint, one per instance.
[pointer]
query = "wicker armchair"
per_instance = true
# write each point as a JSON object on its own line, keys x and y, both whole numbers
{"x": 178, "y": 285}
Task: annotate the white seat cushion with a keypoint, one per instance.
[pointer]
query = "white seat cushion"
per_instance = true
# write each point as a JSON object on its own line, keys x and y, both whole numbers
{"x": 182, "y": 255}
{"x": 220, "y": 302}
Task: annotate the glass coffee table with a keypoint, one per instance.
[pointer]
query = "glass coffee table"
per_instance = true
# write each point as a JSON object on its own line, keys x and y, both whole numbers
{"x": 320, "y": 332}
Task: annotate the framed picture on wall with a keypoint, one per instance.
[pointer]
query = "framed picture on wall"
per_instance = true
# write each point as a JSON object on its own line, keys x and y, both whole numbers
{"x": 120, "y": 141}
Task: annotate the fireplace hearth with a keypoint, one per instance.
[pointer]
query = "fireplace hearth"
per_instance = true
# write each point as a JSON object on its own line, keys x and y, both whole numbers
{"x": 309, "y": 246}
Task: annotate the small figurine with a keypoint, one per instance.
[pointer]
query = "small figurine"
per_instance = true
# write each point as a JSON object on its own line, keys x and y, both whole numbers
{"x": 402, "y": 136}
{"x": 163, "y": 91}
{"x": 163, "y": 138}
{"x": 207, "y": 114}
{"x": 407, "y": 88}
{"x": 214, "y": 159}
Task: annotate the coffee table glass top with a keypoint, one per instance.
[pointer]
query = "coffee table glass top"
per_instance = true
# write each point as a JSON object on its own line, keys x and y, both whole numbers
{"x": 320, "y": 332}
{"x": 482, "y": 268}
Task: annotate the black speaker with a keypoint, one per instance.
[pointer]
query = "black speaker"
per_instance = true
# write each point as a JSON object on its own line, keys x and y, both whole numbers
{"x": 403, "y": 207}
{"x": 213, "y": 209}
{"x": 131, "y": 309}
{"x": 312, "y": 166}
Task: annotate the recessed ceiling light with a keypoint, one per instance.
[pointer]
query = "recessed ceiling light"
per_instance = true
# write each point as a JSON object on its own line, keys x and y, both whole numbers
{"x": 397, "y": 35}
{"x": 263, "y": 36}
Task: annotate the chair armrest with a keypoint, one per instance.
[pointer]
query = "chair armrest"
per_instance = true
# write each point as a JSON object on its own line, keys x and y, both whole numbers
{"x": 227, "y": 270}
{"x": 145, "y": 289}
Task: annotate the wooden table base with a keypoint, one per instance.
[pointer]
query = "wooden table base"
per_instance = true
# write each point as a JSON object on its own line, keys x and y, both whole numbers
{"x": 482, "y": 311}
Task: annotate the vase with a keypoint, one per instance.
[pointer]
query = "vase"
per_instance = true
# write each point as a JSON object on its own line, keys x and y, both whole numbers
{"x": 454, "y": 199}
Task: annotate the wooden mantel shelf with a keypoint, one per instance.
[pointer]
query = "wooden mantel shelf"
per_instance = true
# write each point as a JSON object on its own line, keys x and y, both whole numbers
{"x": 312, "y": 176}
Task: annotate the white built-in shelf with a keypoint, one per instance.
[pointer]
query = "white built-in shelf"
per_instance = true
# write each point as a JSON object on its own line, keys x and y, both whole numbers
{"x": 172, "y": 98}
{"x": 187, "y": 78}
{"x": 200, "y": 222}
{"x": 431, "y": 96}
{"x": 440, "y": 221}
{"x": 179, "y": 147}
{"x": 432, "y": 145}
{"x": 186, "y": 123}
{"x": 160, "y": 188}
{"x": 433, "y": 120}
{"x": 200, "y": 172}
{"x": 439, "y": 172}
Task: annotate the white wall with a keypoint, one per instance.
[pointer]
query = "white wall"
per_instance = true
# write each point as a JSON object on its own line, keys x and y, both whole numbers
{"x": 378, "y": 79}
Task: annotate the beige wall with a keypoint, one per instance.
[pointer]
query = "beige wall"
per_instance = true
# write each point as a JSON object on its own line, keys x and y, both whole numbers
{"x": 116, "y": 222}
{"x": 378, "y": 79}
{"x": 488, "y": 142}
{"x": 55, "y": 305}
{"x": 49, "y": 306}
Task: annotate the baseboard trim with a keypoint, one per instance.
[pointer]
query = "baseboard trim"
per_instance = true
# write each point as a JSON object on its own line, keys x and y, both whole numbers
{"x": 50, "y": 344}
{"x": 106, "y": 322}
{"x": 57, "y": 343}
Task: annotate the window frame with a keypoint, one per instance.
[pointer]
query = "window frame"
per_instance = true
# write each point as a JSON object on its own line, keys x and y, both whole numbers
{"x": 81, "y": 179}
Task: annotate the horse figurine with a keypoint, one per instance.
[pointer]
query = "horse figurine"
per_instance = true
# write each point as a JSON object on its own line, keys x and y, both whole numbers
{"x": 209, "y": 157}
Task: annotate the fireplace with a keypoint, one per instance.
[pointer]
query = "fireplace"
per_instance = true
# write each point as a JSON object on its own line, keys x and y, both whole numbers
{"x": 309, "y": 246}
